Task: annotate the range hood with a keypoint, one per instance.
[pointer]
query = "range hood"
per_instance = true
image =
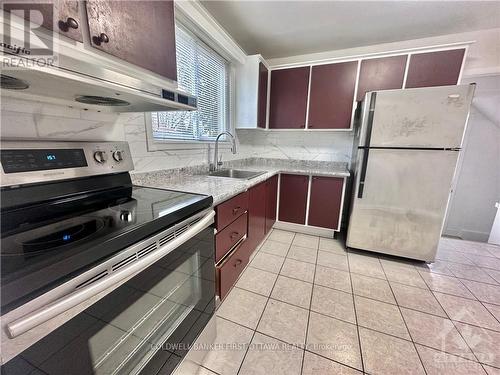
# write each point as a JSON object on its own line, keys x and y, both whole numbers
{"x": 82, "y": 85}
{"x": 79, "y": 76}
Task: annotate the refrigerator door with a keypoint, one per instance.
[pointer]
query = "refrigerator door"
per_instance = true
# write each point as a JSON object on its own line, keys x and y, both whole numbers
{"x": 429, "y": 117}
{"x": 400, "y": 207}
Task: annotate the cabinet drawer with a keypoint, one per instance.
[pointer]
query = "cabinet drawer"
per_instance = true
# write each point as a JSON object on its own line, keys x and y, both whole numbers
{"x": 229, "y": 236}
{"x": 228, "y": 272}
{"x": 231, "y": 209}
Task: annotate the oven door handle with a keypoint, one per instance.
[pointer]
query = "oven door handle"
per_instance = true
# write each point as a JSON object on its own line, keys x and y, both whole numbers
{"x": 51, "y": 310}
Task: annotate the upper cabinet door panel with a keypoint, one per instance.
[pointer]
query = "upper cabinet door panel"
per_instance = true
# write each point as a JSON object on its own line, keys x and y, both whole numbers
{"x": 288, "y": 102}
{"x": 262, "y": 96}
{"x": 384, "y": 73}
{"x": 435, "y": 68}
{"x": 139, "y": 32}
{"x": 332, "y": 95}
{"x": 62, "y": 16}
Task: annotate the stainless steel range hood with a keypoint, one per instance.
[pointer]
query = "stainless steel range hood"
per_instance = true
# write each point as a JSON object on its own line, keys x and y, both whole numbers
{"x": 84, "y": 86}
{"x": 79, "y": 76}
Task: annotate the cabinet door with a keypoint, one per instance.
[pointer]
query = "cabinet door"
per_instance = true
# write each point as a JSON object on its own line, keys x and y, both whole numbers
{"x": 62, "y": 16}
{"x": 256, "y": 218}
{"x": 332, "y": 95}
{"x": 440, "y": 68}
{"x": 271, "y": 201}
{"x": 325, "y": 202}
{"x": 257, "y": 213}
{"x": 139, "y": 32}
{"x": 262, "y": 96}
{"x": 384, "y": 73}
{"x": 293, "y": 198}
{"x": 288, "y": 101}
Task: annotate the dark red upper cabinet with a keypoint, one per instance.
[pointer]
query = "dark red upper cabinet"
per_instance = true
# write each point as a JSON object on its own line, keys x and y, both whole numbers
{"x": 62, "y": 16}
{"x": 325, "y": 202}
{"x": 332, "y": 95}
{"x": 262, "y": 96}
{"x": 384, "y": 73}
{"x": 435, "y": 68}
{"x": 271, "y": 201}
{"x": 293, "y": 198}
{"x": 288, "y": 101}
{"x": 139, "y": 32}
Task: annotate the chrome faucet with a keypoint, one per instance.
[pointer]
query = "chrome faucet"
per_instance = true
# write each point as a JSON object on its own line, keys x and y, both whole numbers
{"x": 217, "y": 163}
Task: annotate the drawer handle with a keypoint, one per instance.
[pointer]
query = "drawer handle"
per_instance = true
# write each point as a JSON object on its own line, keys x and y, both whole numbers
{"x": 237, "y": 263}
{"x": 236, "y": 209}
{"x": 234, "y": 234}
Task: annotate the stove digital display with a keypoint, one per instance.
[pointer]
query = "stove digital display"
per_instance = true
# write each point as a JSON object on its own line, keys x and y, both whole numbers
{"x": 15, "y": 161}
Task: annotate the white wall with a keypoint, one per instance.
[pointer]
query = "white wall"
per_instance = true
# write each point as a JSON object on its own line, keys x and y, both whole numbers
{"x": 472, "y": 207}
{"x": 325, "y": 146}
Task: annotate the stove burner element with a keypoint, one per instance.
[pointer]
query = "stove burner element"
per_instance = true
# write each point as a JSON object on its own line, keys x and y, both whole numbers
{"x": 59, "y": 238}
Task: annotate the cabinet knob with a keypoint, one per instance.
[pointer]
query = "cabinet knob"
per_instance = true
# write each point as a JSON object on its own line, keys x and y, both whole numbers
{"x": 237, "y": 263}
{"x": 102, "y": 38}
{"x": 70, "y": 23}
{"x": 236, "y": 209}
{"x": 234, "y": 234}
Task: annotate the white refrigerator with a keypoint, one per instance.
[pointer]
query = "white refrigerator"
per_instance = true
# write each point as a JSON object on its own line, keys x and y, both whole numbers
{"x": 406, "y": 150}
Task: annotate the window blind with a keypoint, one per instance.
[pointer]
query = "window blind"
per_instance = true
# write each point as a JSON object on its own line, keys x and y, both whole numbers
{"x": 203, "y": 73}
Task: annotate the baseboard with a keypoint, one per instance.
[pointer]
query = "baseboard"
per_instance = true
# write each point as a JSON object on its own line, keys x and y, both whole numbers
{"x": 315, "y": 231}
{"x": 471, "y": 235}
{"x": 452, "y": 232}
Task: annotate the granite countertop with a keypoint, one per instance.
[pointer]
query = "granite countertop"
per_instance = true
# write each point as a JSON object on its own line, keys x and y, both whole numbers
{"x": 195, "y": 179}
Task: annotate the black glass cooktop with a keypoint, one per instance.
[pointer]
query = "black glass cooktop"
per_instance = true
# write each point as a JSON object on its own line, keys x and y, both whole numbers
{"x": 45, "y": 243}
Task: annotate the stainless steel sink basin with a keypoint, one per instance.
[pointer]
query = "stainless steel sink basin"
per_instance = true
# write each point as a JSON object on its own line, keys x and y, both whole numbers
{"x": 236, "y": 173}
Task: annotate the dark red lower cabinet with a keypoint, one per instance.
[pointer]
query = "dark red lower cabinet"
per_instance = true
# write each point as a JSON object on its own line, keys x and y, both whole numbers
{"x": 293, "y": 198}
{"x": 325, "y": 202}
{"x": 229, "y": 270}
{"x": 253, "y": 224}
{"x": 271, "y": 201}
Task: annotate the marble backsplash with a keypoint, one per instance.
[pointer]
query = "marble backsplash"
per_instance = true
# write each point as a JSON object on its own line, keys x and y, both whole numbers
{"x": 30, "y": 120}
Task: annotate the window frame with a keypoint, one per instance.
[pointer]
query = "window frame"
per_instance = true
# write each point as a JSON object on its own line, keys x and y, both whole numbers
{"x": 155, "y": 144}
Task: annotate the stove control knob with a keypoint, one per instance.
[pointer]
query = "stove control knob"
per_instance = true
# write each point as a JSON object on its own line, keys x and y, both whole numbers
{"x": 100, "y": 157}
{"x": 118, "y": 156}
{"x": 126, "y": 216}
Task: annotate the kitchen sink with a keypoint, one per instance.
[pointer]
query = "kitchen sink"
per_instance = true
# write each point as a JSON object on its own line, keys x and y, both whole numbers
{"x": 236, "y": 173}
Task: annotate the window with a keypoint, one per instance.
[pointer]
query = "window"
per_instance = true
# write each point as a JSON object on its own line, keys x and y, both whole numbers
{"x": 205, "y": 74}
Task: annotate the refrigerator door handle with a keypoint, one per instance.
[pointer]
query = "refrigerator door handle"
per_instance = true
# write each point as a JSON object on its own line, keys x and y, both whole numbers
{"x": 364, "y": 163}
{"x": 362, "y": 175}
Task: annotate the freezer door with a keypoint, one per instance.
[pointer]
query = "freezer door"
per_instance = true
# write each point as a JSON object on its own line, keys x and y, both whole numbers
{"x": 401, "y": 206}
{"x": 429, "y": 117}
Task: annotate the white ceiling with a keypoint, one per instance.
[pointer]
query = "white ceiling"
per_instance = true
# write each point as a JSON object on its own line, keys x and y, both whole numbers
{"x": 288, "y": 28}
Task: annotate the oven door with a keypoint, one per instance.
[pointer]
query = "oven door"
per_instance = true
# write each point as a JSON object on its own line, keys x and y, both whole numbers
{"x": 144, "y": 326}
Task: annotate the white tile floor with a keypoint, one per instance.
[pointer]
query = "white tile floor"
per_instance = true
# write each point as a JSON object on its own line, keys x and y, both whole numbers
{"x": 305, "y": 305}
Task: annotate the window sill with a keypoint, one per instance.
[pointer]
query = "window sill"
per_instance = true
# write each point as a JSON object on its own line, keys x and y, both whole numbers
{"x": 172, "y": 144}
{"x": 154, "y": 144}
